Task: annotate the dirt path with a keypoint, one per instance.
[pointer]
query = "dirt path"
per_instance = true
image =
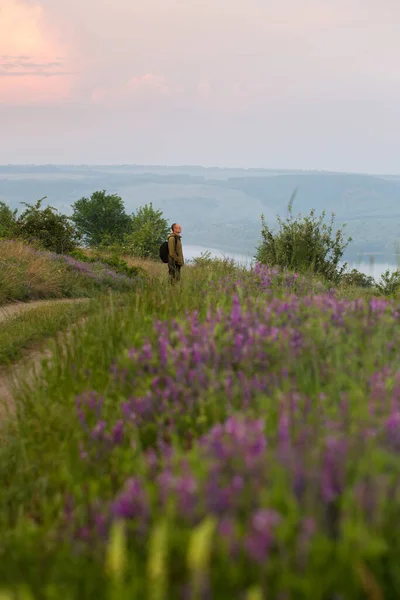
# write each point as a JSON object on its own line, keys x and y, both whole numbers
{"x": 32, "y": 359}
{"x": 13, "y": 310}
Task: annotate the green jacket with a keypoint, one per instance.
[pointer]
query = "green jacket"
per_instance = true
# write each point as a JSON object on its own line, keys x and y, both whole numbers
{"x": 175, "y": 253}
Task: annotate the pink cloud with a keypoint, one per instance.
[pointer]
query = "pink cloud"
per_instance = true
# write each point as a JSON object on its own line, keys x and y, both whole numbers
{"x": 30, "y": 71}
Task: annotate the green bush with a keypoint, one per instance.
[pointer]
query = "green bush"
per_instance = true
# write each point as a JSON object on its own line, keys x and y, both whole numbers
{"x": 304, "y": 243}
{"x": 224, "y": 265}
{"x": 389, "y": 284}
{"x": 79, "y": 255}
{"x": 357, "y": 279}
{"x": 47, "y": 228}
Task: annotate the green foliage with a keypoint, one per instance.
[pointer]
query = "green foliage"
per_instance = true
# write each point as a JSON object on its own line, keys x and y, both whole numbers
{"x": 149, "y": 230}
{"x": 101, "y": 219}
{"x": 357, "y": 279}
{"x": 8, "y": 221}
{"x": 304, "y": 243}
{"x": 204, "y": 260}
{"x": 120, "y": 266}
{"x": 223, "y": 265}
{"x": 114, "y": 262}
{"x": 79, "y": 255}
{"x": 47, "y": 228}
{"x": 389, "y": 284}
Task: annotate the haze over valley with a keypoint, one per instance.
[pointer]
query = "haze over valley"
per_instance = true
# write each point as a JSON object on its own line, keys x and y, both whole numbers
{"x": 221, "y": 208}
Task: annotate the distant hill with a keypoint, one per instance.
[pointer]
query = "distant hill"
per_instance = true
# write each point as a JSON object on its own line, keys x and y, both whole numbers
{"x": 221, "y": 208}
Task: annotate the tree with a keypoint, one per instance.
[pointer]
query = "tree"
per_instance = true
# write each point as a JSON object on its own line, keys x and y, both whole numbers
{"x": 148, "y": 230}
{"x": 8, "y": 221}
{"x": 304, "y": 244}
{"x": 52, "y": 230}
{"x": 101, "y": 219}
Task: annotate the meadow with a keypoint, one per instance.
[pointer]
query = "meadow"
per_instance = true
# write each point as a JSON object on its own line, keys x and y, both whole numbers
{"x": 235, "y": 436}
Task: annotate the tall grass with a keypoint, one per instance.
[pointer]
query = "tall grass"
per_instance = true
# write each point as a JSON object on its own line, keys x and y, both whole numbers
{"x": 235, "y": 436}
{"x": 27, "y": 273}
{"x": 155, "y": 269}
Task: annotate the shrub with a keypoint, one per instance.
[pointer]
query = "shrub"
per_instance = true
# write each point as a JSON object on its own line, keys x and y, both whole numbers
{"x": 357, "y": 279}
{"x": 223, "y": 265}
{"x": 305, "y": 243}
{"x": 48, "y": 228}
{"x": 389, "y": 283}
{"x": 78, "y": 254}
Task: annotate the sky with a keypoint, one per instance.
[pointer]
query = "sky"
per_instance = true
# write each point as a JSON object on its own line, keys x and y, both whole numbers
{"x": 308, "y": 84}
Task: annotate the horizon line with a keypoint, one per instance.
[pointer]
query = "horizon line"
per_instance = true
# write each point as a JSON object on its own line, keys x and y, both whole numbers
{"x": 204, "y": 167}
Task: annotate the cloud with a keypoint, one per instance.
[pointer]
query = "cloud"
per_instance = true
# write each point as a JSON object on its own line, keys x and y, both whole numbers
{"x": 26, "y": 62}
{"x": 17, "y": 66}
{"x": 31, "y": 68}
{"x": 36, "y": 74}
{"x": 264, "y": 48}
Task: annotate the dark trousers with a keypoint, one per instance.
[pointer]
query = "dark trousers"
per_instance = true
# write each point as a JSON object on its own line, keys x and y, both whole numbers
{"x": 174, "y": 271}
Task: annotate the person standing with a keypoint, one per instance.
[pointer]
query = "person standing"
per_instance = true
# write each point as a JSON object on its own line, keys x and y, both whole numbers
{"x": 175, "y": 253}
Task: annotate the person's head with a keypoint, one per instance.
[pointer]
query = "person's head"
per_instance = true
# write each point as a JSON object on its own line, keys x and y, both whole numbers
{"x": 176, "y": 228}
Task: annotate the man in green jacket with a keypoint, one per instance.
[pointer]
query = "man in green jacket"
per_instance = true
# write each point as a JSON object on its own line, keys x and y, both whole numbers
{"x": 175, "y": 254}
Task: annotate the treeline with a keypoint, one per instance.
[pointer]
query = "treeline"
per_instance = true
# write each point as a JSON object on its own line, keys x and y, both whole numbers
{"x": 96, "y": 222}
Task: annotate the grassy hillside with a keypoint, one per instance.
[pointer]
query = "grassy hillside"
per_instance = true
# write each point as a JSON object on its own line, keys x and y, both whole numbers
{"x": 234, "y": 437}
{"x": 28, "y": 274}
{"x": 220, "y": 208}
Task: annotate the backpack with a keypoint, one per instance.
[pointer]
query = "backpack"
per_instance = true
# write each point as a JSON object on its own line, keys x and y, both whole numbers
{"x": 164, "y": 253}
